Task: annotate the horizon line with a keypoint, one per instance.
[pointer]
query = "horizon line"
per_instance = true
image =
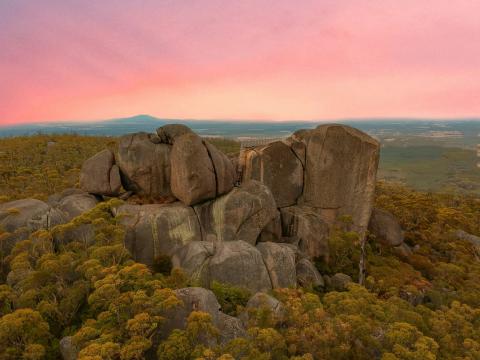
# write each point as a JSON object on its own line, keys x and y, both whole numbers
{"x": 374, "y": 118}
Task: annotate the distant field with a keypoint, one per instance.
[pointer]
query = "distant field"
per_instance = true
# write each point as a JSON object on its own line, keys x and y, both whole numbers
{"x": 431, "y": 168}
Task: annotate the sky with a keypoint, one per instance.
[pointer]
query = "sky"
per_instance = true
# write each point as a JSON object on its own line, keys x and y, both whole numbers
{"x": 248, "y": 59}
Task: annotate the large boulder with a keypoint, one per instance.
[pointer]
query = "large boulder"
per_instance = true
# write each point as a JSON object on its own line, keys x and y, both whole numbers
{"x": 192, "y": 258}
{"x": 158, "y": 230}
{"x": 277, "y": 166}
{"x": 145, "y": 166}
{"x": 193, "y": 174}
{"x": 239, "y": 215}
{"x": 100, "y": 175}
{"x": 238, "y": 263}
{"x": 225, "y": 173}
{"x": 306, "y": 226}
{"x": 385, "y": 227}
{"x": 21, "y": 218}
{"x": 308, "y": 275}
{"x": 280, "y": 262}
{"x": 340, "y": 172}
{"x": 199, "y": 171}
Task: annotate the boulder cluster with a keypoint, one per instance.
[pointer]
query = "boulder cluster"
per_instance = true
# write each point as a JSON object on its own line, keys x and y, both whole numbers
{"x": 258, "y": 224}
{"x": 261, "y": 232}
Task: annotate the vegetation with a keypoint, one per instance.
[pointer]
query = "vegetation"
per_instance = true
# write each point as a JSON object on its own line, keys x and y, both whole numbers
{"x": 432, "y": 168}
{"x": 41, "y": 165}
{"x": 421, "y": 306}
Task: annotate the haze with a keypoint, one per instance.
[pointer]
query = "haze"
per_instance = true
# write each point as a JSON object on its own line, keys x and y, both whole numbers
{"x": 213, "y": 59}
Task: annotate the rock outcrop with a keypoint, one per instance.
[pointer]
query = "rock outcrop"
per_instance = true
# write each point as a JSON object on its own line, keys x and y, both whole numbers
{"x": 277, "y": 166}
{"x": 238, "y": 263}
{"x": 279, "y": 260}
{"x": 193, "y": 173}
{"x": 263, "y": 233}
{"x": 308, "y": 275}
{"x": 158, "y": 230}
{"x": 385, "y": 227}
{"x": 192, "y": 258}
{"x": 340, "y": 172}
{"x": 308, "y": 229}
{"x": 100, "y": 175}
{"x": 241, "y": 214}
{"x": 145, "y": 166}
{"x": 199, "y": 171}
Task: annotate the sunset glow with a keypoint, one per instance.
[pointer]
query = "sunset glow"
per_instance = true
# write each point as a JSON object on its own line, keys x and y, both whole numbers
{"x": 252, "y": 59}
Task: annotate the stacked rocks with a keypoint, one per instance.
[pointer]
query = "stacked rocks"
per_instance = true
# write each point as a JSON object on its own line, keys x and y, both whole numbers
{"x": 262, "y": 234}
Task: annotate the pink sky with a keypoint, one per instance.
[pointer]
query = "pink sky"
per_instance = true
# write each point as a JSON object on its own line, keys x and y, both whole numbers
{"x": 245, "y": 59}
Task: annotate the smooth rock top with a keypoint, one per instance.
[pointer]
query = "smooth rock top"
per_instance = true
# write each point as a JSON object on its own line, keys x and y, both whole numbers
{"x": 169, "y": 133}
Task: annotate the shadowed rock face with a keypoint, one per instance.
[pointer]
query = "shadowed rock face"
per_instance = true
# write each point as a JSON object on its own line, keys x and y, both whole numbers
{"x": 280, "y": 263}
{"x": 239, "y": 215}
{"x": 340, "y": 172}
{"x": 193, "y": 174}
{"x": 385, "y": 227}
{"x": 145, "y": 166}
{"x": 238, "y": 263}
{"x": 224, "y": 171}
{"x": 308, "y": 275}
{"x": 100, "y": 175}
{"x": 277, "y": 166}
{"x": 199, "y": 171}
{"x": 193, "y": 258}
{"x": 308, "y": 228}
{"x": 157, "y": 230}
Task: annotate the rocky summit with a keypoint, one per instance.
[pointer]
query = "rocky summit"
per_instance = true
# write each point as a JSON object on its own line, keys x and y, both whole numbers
{"x": 258, "y": 221}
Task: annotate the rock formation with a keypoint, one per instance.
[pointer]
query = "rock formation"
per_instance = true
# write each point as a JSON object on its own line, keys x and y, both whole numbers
{"x": 262, "y": 234}
{"x": 144, "y": 164}
{"x": 100, "y": 175}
